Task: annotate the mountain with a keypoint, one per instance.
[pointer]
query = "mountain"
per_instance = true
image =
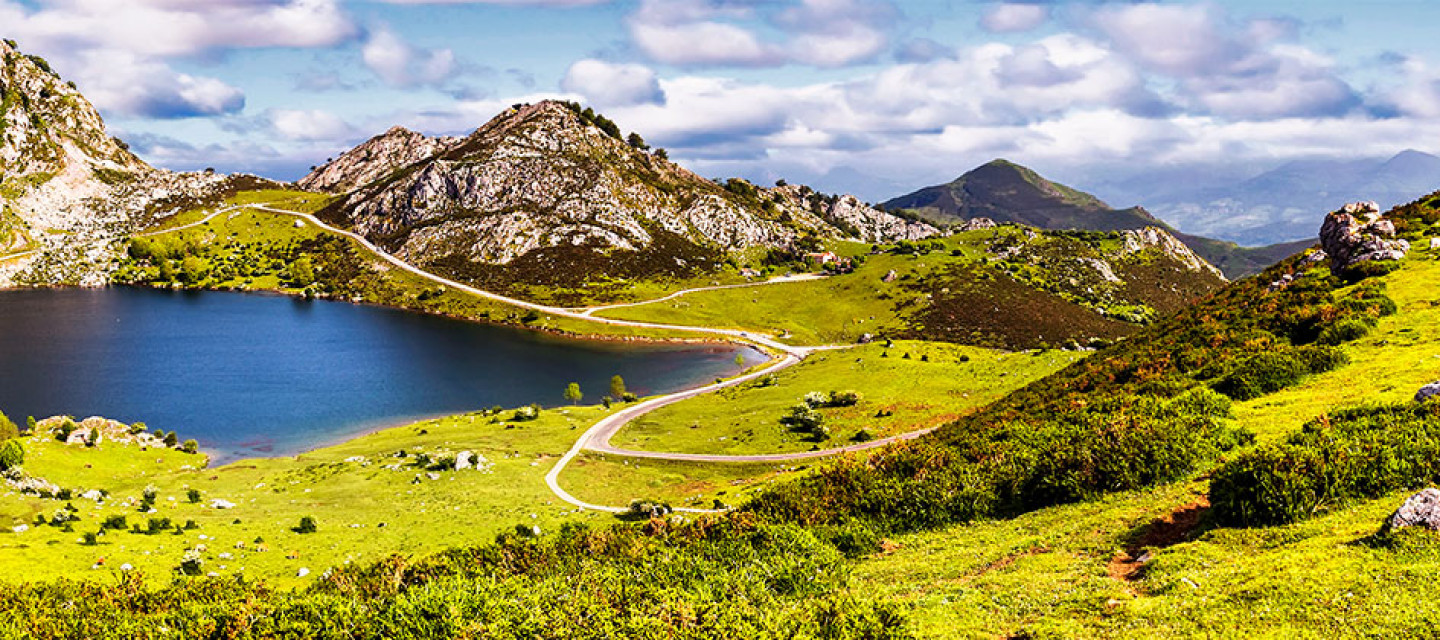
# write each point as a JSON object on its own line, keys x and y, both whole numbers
{"x": 551, "y": 195}
{"x": 1007, "y": 192}
{"x": 1285, "y": 203}
{"x": 60, "y": 172}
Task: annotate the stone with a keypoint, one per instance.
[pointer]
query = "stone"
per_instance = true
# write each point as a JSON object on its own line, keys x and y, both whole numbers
{"x": 977, "y": 224}
{"x": 464, "y": 460}
{"x": 1167, "y": 244}
{"x": 890, "y": 276}
{"x": 302, "y": 572}
{"x": 1419, "y": 510}
{"x": 1434, "y": 243}
{"x": 221, "y": 504}
{"x": 1427, "y": 392}
{"x": 1356, "y": 234}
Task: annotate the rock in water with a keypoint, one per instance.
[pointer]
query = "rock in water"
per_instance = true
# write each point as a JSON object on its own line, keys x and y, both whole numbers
{"x": 1427, "y": 392}
{"x": 1419, "y": 510}
{"x": 1357, "y": 234}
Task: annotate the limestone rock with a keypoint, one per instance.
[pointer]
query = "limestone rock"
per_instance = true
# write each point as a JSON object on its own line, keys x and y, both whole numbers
{"x": 1427, "y": 392}
{"x": 1356, "y": 233}
{"x": 1434, "y": 243}
{"x": 977, "y": 224}
{"x": 1419, "y": 510}
{"x": 1156, "y": 238}
{"x": 377, "y": 158}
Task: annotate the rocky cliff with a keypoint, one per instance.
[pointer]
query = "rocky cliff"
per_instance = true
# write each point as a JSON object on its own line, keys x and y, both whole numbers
{"x": 374, "y": 160}
{"x": 551, "y": 194}
{"x": 66, "y": 186}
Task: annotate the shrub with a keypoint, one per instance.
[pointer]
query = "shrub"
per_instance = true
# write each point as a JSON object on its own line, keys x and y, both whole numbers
{"x": 844, "y": 398}
{"x": 192, "y": 495}
{"x": 1262, "y": 374}
{"x": 8, "y": 429}
{"x": 526, "y": 414}
{"x": 190, "y": 446}
{"x": 1347, "y": 330}
{"x": 648, "y": 509}
{"x": 816, "y": 399}
{"x": 116, "y": 522}
{"x": 12, "y": 455}
{"x": 307, "y": 525}
{"x": 1362, "y": 452}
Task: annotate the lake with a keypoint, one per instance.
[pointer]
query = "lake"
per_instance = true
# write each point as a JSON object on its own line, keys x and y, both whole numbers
{"x": 265, "y": 375}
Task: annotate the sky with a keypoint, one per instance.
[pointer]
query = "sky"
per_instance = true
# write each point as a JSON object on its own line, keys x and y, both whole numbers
{"x": 875, "y": 97}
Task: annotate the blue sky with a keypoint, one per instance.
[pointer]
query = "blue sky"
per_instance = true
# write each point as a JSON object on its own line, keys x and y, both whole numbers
{"x": 872, "y": 96}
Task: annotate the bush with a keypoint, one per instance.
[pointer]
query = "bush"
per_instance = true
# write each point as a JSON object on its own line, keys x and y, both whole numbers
{"x": 526, "y": 414}
{"x": 1363, "y": 452}
{"x": 192, "y": 496}
{"x": 190, "y": 446}
{"x": 12, "y": 455}
{"x": 648, "y": 509}
{"x": 1347, "y": 330}
{"x": 307, "y": 525}
{"x": 8, "y": 429}
{"x": 116, "y": 522}
{"x": 1266, "y": 373}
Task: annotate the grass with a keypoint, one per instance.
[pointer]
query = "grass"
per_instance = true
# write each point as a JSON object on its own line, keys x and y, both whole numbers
{"x": 363, "y": 510}
{"x": 616, "y": 480}
{"x": 942, "y": 294}
{"x": 1398, "y": 357}
{"x": 935, "y": 384}
{"x": 1048, "y": 574}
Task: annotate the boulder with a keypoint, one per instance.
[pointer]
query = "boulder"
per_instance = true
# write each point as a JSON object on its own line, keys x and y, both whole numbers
{"x": 464, "y": 460}
{"x": 1434, "y": 243}
{"x": 1356, "y": 234}
{"x": 221, "y": 504}
{"x": 1419, "y": 510}
{"x": 976, "y": 224}
{"x": 1427, "y": 392}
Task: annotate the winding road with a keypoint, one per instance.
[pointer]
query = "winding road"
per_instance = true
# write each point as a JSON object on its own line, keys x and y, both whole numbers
{"x": 597, "y": 437}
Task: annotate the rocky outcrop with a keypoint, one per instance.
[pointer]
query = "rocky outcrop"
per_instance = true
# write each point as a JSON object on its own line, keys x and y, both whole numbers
{"x": 376, "y": 159}
{"x": 1419, "y": 510}
{"x": 978, "y": 224}
{"x": 62, "y": 174}
{"x": 826, "y": 214}
{"x": 552, "y": 191}
{"x": 1427, "y": 392}
{"x": 1356, "y": 234}
{"x": 1168, "y": 245}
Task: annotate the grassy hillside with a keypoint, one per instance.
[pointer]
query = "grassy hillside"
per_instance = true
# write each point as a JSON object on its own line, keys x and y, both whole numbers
{"x": 903, "y": 387}
{"x": 994, "y": 288}
{"x": 1006, "y": 192}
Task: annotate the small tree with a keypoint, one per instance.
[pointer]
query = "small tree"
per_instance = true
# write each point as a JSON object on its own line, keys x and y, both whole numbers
{"x": 573, "y": 395}
{"x": 30, "y": 424}
{"x": 192, "y": 269}
{"x": 193, "y": 495}
{"x": 617, "y": 387}
{"x": 302, "y": 272}
{"x": 7, "y": 428}
{"x": 171, "y": 439}
{"x": 739, "y": 359}
{"x": 12, "y": 454}
{"x": 190, "y": 446}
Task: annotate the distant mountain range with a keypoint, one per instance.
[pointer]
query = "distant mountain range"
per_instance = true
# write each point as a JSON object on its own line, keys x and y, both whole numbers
{"x": 1007, "y": 192}
{"x": 1283, "y": 204}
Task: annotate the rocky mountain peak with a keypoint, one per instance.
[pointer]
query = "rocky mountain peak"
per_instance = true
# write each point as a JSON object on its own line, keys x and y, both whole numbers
{"x": 376, "y": 158}
{"x": 1137, "y": 240}
{"x": 48, "y": 128}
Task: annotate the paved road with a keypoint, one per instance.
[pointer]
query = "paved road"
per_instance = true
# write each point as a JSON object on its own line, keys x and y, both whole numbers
{"x": 597, "y": 438}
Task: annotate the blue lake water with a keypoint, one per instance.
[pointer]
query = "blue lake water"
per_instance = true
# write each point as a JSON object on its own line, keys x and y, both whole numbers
{"x": 259, "y": 375}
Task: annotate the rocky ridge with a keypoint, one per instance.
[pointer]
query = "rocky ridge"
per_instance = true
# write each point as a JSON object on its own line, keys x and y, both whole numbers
{"x": 375, "y": 159}
{"x": 67, "y": 188}
{"x": 548, "y": 186}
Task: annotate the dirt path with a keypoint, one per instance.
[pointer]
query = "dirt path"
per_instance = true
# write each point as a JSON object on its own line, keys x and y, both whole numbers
{"x": 590, "y": 311}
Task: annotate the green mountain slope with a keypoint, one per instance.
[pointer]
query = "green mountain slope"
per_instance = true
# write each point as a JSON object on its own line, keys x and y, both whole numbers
{"x": 1007, "y": 192}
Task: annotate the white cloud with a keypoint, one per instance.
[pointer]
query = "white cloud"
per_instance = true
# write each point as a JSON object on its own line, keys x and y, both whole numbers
{"x": 1013, "y": 17}
{"x": 309, "y": 124}
{"x": 1237, "y": 69}
{"x": 401, "y": 65}
{"x": 821, "y": 33}
{"x": 606, "y": 84}
{"x": 139, "y": 86}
